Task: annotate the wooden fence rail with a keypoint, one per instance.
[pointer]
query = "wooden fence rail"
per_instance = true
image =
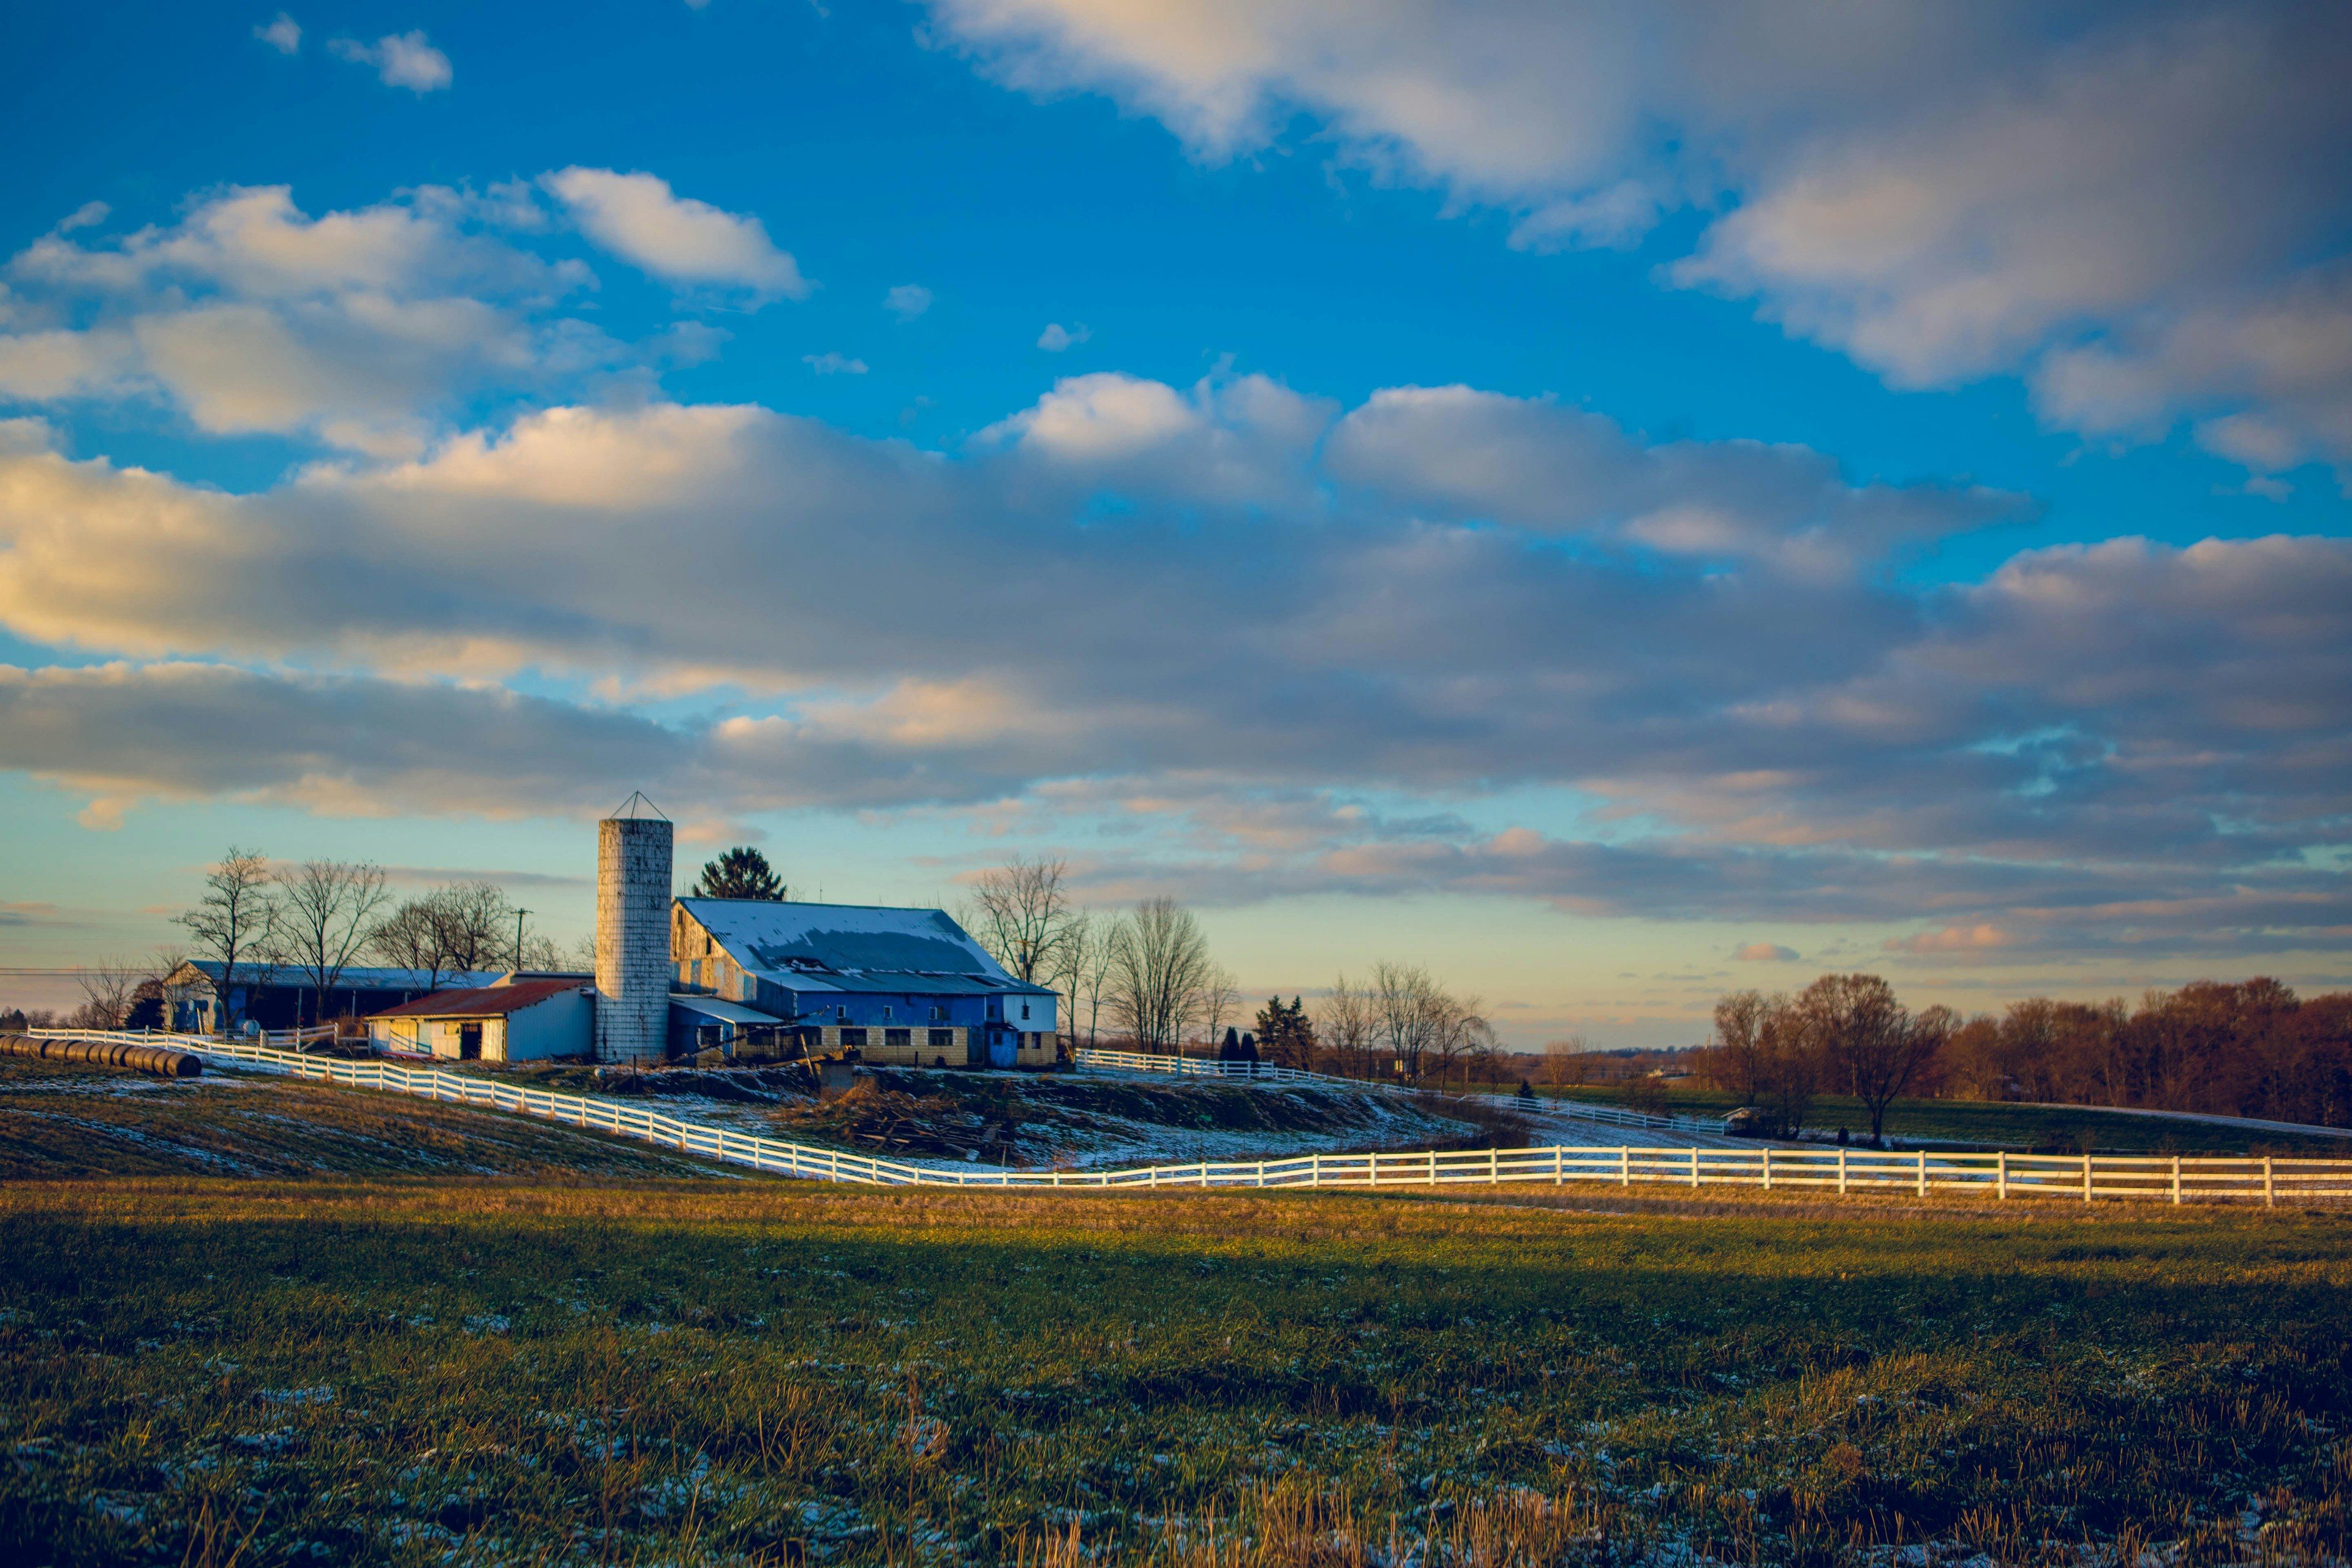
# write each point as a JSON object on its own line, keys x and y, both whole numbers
{"x": 2080, "y": 1178}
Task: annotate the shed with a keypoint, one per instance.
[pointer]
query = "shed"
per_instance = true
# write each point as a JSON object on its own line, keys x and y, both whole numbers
{"x": 511, "y": 1020}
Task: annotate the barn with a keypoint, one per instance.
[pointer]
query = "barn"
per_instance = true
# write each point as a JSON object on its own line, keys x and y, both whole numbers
{"x": 513, "y": 1019}
{"x": 280, "y": 997}
{"x": 900, "y": 986}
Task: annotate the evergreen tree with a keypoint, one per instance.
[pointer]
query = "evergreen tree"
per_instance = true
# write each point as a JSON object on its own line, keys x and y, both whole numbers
{"x": 742, "y": 873}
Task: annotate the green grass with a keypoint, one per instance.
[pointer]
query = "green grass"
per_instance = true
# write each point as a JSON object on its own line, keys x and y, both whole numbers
{"x": 2050, "y": 1130}
{"x": 717, "y": 1372}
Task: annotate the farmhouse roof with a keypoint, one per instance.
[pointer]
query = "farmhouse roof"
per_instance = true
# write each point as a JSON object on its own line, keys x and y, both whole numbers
{"x": 483, "y": 1001}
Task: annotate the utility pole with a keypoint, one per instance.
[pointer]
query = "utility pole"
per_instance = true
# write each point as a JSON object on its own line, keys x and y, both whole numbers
{"x": 518, "y": 914}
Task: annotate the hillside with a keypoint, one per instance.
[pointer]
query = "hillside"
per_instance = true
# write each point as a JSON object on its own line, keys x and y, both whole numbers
{"x": 74, "y": 1121}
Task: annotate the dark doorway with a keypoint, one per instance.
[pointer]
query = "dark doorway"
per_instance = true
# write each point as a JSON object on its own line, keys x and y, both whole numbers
{"x": 469, "y": 1042}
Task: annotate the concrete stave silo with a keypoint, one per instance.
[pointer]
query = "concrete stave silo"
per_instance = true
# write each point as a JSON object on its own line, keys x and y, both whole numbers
{"x": 633, "y": 959}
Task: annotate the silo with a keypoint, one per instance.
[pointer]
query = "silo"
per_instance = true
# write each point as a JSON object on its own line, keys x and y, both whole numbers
{"x": 633, "y": 967}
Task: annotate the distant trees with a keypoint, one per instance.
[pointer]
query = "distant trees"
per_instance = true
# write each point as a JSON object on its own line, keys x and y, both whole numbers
{"x": 2245, "y": 1049}
{"x": 1285, "y": 1034}
{"x": 1159, "y": 971}
{"x": 741, "y": 872}
{"x": 1344, "y": 1021}
{"x": 109, "y": 988}
{"x": 235, "y": 924}
{"x": 327, "y": 911}
{"x": 467, "y": 926}
{"x": 1021, "y": 913}
{"x": 1082, "y": 970}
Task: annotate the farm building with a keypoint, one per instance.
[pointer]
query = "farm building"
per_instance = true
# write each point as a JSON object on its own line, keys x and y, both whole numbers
{"x": 896, "y": 986}
{"x": 513, "y": 1019}
{"x": 278, "y": 997}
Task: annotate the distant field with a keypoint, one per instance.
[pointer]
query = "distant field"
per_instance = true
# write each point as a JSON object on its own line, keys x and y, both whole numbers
{"x": 59, "y": 1121}
{"x": 717, "y": 1372}
{"x": 2047, "y": 1129}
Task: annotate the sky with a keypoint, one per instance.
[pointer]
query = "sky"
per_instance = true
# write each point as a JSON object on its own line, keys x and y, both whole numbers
{"x": 1615, "y": 502}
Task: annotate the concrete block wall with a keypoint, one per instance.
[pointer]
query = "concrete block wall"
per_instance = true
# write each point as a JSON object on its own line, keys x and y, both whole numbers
{"x": 633, "y": 964}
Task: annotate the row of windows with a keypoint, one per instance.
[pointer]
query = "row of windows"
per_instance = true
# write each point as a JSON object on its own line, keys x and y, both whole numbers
{"x": 898, "y": 1040}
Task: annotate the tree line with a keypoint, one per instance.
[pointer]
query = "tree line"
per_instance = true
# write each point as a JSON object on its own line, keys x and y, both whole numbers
{"x": 1144, "y": 978}
{"x": 2244, "y": 1049}
{"x": 307, "y": 924}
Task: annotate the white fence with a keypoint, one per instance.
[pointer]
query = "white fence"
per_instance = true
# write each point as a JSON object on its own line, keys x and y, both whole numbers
{"x": 1090, "y": 1058}
{"x": 2079, "y": 1177}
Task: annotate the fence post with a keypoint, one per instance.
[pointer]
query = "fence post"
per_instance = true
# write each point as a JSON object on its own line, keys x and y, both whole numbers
{"x": 2000, "y": 1174}
{"x": 2086, "y": 1177}
{"x": 1314, "y": 1170}
{"x": 2176, "y": 1181}
{"x": 2270, "y": 1190}
{"x": 1376, "y": 1168}
{"x": 1841, "y": 1170}
{"x": 1694, "y": 1164}
{"x": 1923, "y": 1173}
{"x": 1493, "y": 1167}
{"x": 1624, "y": 1164}
{"x": 1559, "y": 1171}
{"x": 1768, "y": 1167}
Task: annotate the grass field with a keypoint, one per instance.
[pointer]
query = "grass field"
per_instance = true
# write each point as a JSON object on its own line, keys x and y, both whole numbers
{"x": 712, "y": 1372}
{"x": 2046, "y": 1128}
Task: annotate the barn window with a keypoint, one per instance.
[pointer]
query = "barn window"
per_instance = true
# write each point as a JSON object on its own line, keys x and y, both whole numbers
{"x": 853, "y": 1037}
{"x": 942, "y": 1039}
{"x": 939, "y": 1013}
{"x": 898, "y": 1040}
{"x": 1024, "y": 1009}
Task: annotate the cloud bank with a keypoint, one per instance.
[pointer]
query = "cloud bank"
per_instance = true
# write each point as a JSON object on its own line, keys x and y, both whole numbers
{"x": 2140, "y": 209}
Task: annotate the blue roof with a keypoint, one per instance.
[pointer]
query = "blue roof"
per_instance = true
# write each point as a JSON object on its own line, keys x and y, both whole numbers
{"x": 853, "y": 948}
{"x": 352, "y": 979}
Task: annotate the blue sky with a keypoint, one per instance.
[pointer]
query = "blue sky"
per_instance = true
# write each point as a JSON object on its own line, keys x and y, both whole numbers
{"x": 1570, "y": 492}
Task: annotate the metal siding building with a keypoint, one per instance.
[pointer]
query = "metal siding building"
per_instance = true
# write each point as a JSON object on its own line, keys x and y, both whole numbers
{"x": 898, "y": 985}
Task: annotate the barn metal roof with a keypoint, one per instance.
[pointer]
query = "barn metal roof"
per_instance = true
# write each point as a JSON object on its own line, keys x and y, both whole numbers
{"x": 352, "y": 979}
{"x": 483, "y": 1001}
{"x": 858, "y": 948}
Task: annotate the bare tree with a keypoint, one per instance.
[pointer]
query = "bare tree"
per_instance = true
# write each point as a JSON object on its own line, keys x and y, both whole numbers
{"x": 1159, "y": 967}
{"x": 1456, "y": 1031}
{"x": 1741, "y": 1032}
{"x": 330, "y": 909}
{"x": 476, "y": 922}
{"x": 1561, "y": 1063}
{"x": 1343, "y": 1021}
{"x": 1220, "y": 993}
{"x": 1870, "y": 1038}
{"x": 1020, "y": 914}
{"x": 235, "y": 924}
{"x": 410, "y": 938}
{"x": 1407, "y": 1015}
{"x": 1081, "y": 969}
{"x": 107, "y": 988}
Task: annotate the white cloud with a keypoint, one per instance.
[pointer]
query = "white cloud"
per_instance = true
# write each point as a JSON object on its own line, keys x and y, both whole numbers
{"x": 1259, "y": 604}
{"x": 354, "y": 327}
{"x": 1942, "y": 193}
{"x": 638, "y": 218}
{"x": 1766, "y": 953}
{"x": 87, "y": 215}
{"x": 831, "y": 363}
{"x": 1056, "y": 337}
{"x": 907, "y": 301}
{"x": 284, "y": 35}
{"x": 401, "y": 59}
